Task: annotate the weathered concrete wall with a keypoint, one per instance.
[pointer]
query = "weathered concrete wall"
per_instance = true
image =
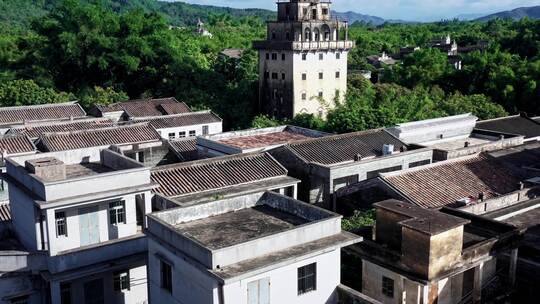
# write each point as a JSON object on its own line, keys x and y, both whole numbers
{"x": 445, "y": 251}
{"x": 388, "y": 231}
{"x": 501, "y": 202}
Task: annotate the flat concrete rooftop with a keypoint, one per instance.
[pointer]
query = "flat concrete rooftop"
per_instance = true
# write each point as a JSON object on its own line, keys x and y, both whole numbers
{"x": 459, "y": 143}
{"x": 88, "y": 169}
{"x": 232, "y": 228}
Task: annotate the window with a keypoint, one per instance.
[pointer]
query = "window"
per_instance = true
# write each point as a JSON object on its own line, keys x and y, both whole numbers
{"x": 321, "y": 95}
{"x": 61, "y": 226}
{"x": 121, "y": 280}
{"x": 304, "y": 96}
{"x": 19, "y": 300}
{"x": 304, "y": 76}
{"x": 274, "y": 56}
{"x": 166, "y": 276}
{"x": 172, "y": 135}
{"x": 65, "y": 293}
{"x": 287, "y": 36}
{"x": 117, "y": 213}
{"x": 192, "y": 133}
{"x": 321, "y": 56}
{"x": 325, "y": 11}
{"x": 338, "y": 56}
{"x": 388, "y": 287}
{"x": 314, "y": 14}
{"x": 419, "y": 163}
{"x": 205, "y": 130}
{"x": 266, "y": 75}
{"x": 273, "y": 36}
{"x": 307, "y": 278}
{"x": 267, "y": 56}
{"x": 274, "y": 75}
{"x": 375, "y": 173}
{"x": 283, "y": 76}
{"x": 321, "y": 75}
{"x": 304, "y": 57}
{"x": 338, "y": 74}
{"x": 282, "y": 56}
{"x": 182, "y": 134}
{"x": 258, "y": 292}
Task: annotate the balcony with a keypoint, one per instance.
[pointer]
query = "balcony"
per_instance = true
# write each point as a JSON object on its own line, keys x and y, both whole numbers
{"x": 97, "y": 253}
{"x": 304, "y": 45}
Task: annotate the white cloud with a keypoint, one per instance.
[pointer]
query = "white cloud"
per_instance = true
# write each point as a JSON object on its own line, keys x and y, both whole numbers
{"x": 398, "y": 9}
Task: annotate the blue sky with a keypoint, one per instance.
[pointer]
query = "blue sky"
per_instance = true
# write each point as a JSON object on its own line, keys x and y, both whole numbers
{"x": 422, "y": 10}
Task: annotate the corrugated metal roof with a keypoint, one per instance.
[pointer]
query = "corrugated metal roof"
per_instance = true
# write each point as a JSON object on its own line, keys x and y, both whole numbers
{"x": 180, "y": 120}
{"x": 136, "y": 133}
{"x": 15, "y": 115}
{"x": 215, "y": 173}
{"x": 445, "y": 183}
{"x": 14, "y": 144}
{"x": 341, "y": 148}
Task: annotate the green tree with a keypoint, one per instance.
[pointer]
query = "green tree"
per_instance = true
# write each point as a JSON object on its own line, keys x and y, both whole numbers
{"x": 102, "y": 96}
{"x": 263, "y": 121}
{"x": 27, "y": 92}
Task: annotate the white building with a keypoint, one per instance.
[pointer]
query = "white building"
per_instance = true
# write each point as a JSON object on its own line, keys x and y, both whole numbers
{"x": 78, "y": 217}
{"x": 257, "y": 248}
{"x": 184, "y": 125}
{"x": 303, "y": 62}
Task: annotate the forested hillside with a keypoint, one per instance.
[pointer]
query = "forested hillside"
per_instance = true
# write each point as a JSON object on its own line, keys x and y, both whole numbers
{"x": 108, "y": 52}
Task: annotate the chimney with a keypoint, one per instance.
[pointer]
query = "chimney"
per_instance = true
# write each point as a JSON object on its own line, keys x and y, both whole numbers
{"x": 358, "y": 157}
{"x": 467, "y": 144}
{"x": 481, "y": 196}
{"x": 49, "y": 169}
{"x": 388, "y": 149}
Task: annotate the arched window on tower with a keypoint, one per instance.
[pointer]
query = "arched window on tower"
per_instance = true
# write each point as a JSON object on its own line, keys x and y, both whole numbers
{"x": 307, "y": 35}
{"x": 326, "y": 32}
{"x": 316, "y": 35}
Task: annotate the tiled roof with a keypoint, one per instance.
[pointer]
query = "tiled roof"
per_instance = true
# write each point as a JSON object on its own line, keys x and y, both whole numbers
{"x": 180, "y": 120}
{"x": 136, "y": 133}
{"x": 14, "y": 115}
{"x": 445, "y": 183}
{"x": 341, "y": 148}
{"x": 148, "y": 107}
{"x": 263, "y": 140}
{"x": 215, "y": 173}
{"x": 518, "y": 124}
{"x": 35, "y": 130}
{"x": 14, "y": 144}
{"x": 5, "y": 213}
{"x": 186, "y": 148}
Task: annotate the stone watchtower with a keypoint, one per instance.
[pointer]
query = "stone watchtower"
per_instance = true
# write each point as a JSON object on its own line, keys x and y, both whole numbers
{"x": 303, "y": 62}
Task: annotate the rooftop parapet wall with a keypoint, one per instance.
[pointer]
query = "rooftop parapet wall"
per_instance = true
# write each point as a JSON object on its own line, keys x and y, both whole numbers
{"x": 311, "y": 224}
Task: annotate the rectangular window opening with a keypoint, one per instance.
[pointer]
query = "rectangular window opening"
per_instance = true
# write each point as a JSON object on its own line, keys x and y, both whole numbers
{"x": 121, "y": 281}
{"x": 307, "y": 278}
{"x": 166, "y": 276}
{"x": 61, "y": 225}
{"x": 388, "y": 287}
{"x": 117, "y": 212}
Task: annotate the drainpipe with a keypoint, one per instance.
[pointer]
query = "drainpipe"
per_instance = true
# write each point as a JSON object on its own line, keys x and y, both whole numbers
{"x": 221, "y": 294}
{"x": 41, "y": 226}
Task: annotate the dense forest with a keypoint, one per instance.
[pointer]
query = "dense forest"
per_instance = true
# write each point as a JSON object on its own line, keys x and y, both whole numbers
{"x": 105, "y": 51}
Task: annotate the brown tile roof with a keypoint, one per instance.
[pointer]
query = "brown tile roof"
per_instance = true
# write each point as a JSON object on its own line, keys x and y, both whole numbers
{"x": 35, "y": 130}
{"x": 263, "y": 140}
{"x": 180, "y": 120}
{"x": 215, "y": 173}
{"x": 147, "y": 107}
{"x": 185, "y": 148}
{"x": 17, "y": 115}
{"x": 136, "y": 133}
{"x": 5, "y": 213}
{"x": 14, "y": 144}
{"x": 342, "y": 148}
{"x": 444, "y": 183}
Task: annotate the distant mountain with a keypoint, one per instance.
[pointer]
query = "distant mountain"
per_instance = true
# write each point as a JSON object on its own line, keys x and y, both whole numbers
{"x": 353, "y": 17}
{"x": 532, "y": 12}
{"x": 469, "y": 17}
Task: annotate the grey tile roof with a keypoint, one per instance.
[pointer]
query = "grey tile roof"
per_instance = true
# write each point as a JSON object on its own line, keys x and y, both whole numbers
{"x": 181, "y": 120}
{"x": 215, "y": 173}
{"x": 185, "y": 148}
{"x": 519, "y": 124}
{"x": 14, "y": 144}
{"x": 35, "y": 130}
{"x": 342, "y": 148}
{"x": 147, "y": 107}
{"x": 136, "y": 133}
{"x": 444, "y": 183}
{"x": 17, "y": 115}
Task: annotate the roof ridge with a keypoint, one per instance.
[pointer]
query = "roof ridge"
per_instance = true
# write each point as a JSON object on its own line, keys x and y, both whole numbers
{"x": 337, "y": 136}
{"x": 479, "y": 156}
{"x": 168, "y": 116}
{"x": 124, "y": 126}
{"x": 201, "y": 162}
{"x": 45, "y": 105}
{"x": 500, "y": 118}
{"x": 46, "y": 123}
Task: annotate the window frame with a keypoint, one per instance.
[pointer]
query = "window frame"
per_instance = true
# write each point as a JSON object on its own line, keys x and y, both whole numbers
{"x": 117, "y": 212}
{"x": 321, "y": 75}
{"x": 172, "y": 135}
{"x": 321, "y": 56}
{"x": 304, "y": 57}
{"x": 338, "y": 55}
{"x": 166, "y": 277}
{"x": 338, "y": 74}
{"x": 121, "y": 281}
{"x": 192, "y": 133}
{"x": 205, "y": 130}
{"x": 386, "y": 289}
{"x": 60, "y": 220}
{"x": 182, "y": 134}
{"x": 304, "y": 76}
{"x": 305, "y": 273}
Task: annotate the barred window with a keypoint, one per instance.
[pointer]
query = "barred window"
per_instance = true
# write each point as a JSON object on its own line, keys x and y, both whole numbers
{"x": 388, "y": 287}
{"x": 117, "y": 212}
{"x": 166, "y": 276}
{"x": 61, "y": 226}
{"x": 192, "y": 133}
{"x": 121, "y": 281}
{"x": 307, "y": 278}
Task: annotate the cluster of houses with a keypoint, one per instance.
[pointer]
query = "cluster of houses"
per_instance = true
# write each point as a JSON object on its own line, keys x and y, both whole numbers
{"x": 146, "y": 201}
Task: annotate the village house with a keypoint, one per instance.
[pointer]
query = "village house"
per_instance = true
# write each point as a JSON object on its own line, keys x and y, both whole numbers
{"x": 77, "y": 220}
{"x": 454, "y": 136}
{"x": 253, "y": 140}
{"x": 257, "y": 248}
{"x": 35, "y": 129}
{"x": 183, "y": 125}
{"x": 12, "y": 145}
{"x": 205, "y": 180}
{"x": 16, "y": 116}
{"x": 517, "y": 124}
{"x": 185, "y": 149}
{"x": 127, "y": 110}
{"x": 427, "y": 256}
{"x": 324, "y": 165}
